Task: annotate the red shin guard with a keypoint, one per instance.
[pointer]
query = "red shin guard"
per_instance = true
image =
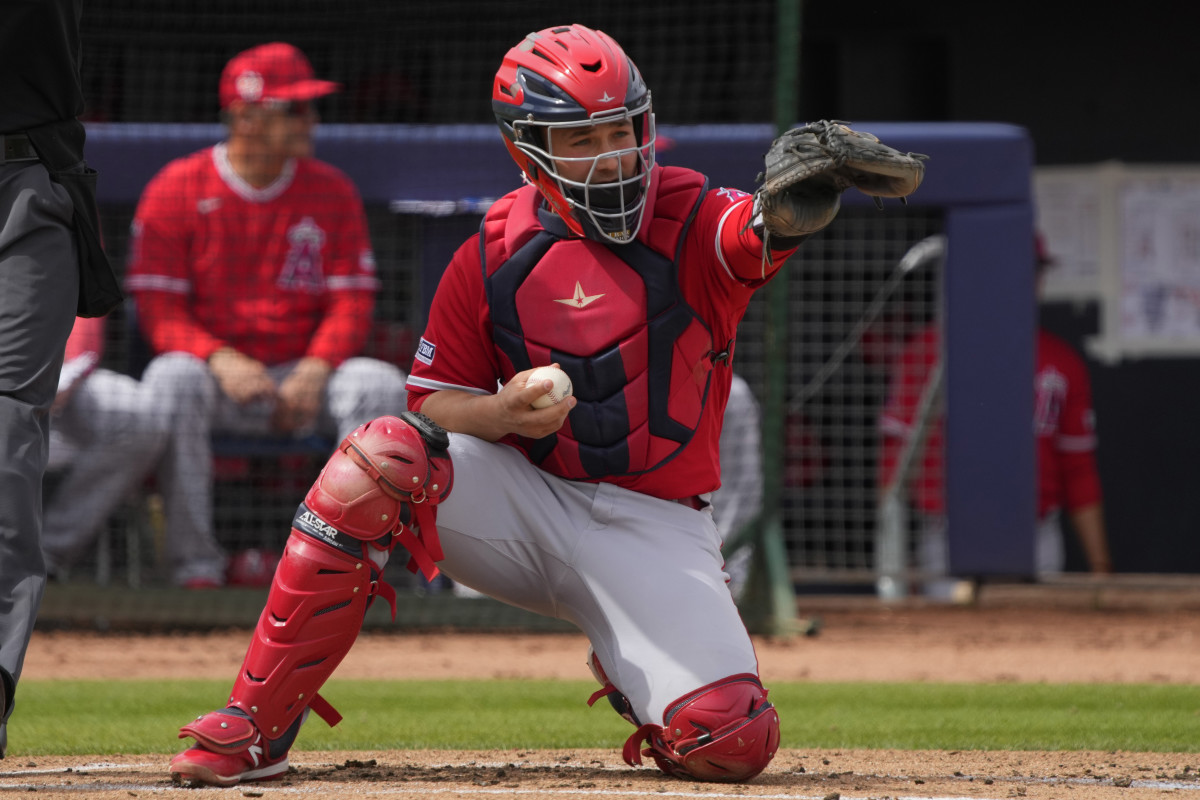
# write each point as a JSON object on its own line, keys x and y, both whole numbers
{"x": 387, "y": 477}
{"x": 313, "y": 615}
{"x": 378, "y": 490}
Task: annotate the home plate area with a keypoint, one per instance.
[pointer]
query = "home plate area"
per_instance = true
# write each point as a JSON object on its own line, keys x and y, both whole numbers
{"x": 801, "y": 774}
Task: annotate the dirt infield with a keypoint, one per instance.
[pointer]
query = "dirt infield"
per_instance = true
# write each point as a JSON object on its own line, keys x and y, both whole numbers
{"x": 545, "y": 774}
{"x": 1073, "y": 638}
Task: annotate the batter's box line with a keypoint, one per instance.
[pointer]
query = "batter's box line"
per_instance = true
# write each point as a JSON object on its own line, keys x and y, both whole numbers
{"x": 97, "y": 767}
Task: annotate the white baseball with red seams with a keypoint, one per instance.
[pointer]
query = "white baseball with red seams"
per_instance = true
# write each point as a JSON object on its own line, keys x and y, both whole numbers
{"x": 562, "y": 386}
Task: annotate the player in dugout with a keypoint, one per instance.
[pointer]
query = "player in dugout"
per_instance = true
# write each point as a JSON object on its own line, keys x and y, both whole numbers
{"x": 254, "y": 277}
{"x": 1067, "y": 475}
{"x": 633, "y": 277}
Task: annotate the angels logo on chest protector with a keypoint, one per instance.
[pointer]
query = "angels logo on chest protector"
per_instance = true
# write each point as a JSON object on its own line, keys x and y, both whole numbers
{"x": 303, "y": 265}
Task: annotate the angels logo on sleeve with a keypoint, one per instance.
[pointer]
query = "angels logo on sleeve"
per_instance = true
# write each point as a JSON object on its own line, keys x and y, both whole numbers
{"x": 302, "y": 269}
{"x": 732, "y": 195}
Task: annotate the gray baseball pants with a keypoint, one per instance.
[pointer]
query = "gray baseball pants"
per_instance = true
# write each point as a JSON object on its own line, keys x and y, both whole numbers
{"x": 39, "y": 287}
{"x": 640, "y": 576}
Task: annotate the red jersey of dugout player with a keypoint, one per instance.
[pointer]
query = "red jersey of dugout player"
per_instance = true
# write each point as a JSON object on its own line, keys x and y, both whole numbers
{"x": 255, "y": 285}
{"x": 252, "y": 244}
{"x": 1064, "y": 427}
{"x": 633, "y": 277}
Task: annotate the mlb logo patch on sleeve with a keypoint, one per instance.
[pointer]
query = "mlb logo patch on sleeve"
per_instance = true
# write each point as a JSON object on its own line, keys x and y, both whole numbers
{"x": 425, "y": 351}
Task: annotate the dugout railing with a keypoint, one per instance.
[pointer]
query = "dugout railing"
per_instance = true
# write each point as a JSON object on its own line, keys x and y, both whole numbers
{"x": 425, "y": 187}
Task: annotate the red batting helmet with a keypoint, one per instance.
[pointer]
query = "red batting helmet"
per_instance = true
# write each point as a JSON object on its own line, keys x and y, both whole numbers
{"x": 572, "y": 76}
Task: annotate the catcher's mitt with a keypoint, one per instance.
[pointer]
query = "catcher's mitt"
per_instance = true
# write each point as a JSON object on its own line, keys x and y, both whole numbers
{"x": 808, "y": 168}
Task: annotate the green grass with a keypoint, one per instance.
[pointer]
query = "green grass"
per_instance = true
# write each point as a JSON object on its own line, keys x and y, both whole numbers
{"x": 104, "y": 717}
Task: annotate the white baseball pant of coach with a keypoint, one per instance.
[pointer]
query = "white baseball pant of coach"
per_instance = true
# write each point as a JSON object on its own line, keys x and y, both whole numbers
{"x": 104, "y": 441}
{"x": 179, "y": 388}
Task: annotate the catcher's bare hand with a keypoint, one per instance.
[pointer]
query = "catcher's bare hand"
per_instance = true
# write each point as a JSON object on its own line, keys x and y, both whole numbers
{"x": 808, "y": 168}
{"x": 493, "y": 416}
{"x": 523, "y": 419}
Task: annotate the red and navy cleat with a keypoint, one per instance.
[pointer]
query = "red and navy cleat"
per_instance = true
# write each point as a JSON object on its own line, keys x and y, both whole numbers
{"x": 229, "y": 750}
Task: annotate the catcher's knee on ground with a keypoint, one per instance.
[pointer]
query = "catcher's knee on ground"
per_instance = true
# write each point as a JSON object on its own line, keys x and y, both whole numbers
{"x": 725, "y": 731}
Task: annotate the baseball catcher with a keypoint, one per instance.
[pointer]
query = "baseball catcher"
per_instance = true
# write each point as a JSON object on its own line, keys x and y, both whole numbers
{"x": 809, "y": 167}
{"x": 633, "y": 276}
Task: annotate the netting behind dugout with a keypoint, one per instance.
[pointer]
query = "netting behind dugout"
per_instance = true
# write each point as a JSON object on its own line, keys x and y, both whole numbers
{"x": 158, "y": 60}
{"x": 849, "y": 315}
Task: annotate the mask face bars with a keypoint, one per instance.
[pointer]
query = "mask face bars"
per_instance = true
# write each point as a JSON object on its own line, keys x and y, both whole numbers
{"x": 614, "y": 208}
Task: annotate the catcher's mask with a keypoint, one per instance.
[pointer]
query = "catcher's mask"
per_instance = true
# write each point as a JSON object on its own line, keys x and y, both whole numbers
{"x": 572, "y": 76}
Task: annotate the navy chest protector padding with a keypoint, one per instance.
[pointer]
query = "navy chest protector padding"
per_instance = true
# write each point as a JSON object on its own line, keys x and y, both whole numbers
{"x": 613, "y": 316}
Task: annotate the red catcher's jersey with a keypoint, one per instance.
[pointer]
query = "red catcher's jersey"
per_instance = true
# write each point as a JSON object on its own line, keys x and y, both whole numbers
{"x": 1064, "y": 425}
{"x": 278, "y": 273}
{"x": 457, "y": 351}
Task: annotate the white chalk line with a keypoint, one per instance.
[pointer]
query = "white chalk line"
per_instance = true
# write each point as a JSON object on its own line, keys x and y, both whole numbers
{"x": 96, "y": 767}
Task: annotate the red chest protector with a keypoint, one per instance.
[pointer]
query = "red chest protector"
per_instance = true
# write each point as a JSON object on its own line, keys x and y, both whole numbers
{"x": 614, "y": 317}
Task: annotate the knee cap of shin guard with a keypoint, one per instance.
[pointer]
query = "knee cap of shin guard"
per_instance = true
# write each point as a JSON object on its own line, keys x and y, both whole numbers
{"x": 726, "y": 731}
{"x": 367, "y": 485}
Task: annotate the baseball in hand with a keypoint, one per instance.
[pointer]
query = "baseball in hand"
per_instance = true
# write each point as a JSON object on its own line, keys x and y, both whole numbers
{"x": 562, "y": 386}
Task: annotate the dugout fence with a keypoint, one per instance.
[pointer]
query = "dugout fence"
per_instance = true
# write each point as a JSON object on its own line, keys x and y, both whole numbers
{"x": 841, "y": 333}
{"x": 413, "y": 131}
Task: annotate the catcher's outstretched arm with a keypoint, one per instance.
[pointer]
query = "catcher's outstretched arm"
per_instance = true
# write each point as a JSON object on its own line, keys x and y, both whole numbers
{"x": 749, "y": 253}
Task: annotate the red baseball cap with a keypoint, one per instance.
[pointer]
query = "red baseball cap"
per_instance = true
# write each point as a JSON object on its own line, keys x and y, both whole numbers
{"x": 276, "y": 71}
